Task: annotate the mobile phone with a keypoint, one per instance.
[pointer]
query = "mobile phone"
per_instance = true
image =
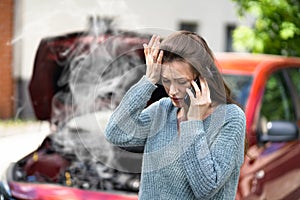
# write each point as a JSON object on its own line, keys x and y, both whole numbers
{"x": 187, "y": 99}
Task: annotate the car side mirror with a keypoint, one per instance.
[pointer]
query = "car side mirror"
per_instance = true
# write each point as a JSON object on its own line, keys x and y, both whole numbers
{"x": 279, "y": 131}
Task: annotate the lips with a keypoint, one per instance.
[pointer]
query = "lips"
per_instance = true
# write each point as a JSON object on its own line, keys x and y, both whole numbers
{"x": 176, "y": 99}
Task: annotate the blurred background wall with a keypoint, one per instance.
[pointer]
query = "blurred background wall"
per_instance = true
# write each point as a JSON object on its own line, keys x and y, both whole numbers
{"x": 6, "y": 67}
{"x": 23, "y": 23}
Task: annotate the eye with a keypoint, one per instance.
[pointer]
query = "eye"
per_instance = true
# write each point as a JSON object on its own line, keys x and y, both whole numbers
{"x": 165, "y": 80}
{"x": 182, "y": 82}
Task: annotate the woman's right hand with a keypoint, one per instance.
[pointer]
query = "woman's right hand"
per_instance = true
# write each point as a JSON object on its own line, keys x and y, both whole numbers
{"x": 153, "y": 57}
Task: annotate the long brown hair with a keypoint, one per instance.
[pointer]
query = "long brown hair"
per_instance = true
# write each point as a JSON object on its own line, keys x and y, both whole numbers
{"x": 190, "y": 47}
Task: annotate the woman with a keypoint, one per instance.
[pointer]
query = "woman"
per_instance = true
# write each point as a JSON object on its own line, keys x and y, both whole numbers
{"x": 192, "y": 149}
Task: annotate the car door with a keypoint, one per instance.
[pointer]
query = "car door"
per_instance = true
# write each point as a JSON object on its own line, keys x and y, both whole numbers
{"x": 277, "y": 174}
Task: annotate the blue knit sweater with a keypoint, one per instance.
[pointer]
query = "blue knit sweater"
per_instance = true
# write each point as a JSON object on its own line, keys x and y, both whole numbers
{"x": 201, "y": 162}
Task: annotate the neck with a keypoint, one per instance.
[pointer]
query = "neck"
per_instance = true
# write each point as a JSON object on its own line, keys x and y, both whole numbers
{"x": 182, "y": 114}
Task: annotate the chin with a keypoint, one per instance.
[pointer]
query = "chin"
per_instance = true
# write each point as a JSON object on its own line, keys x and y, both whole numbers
{"x": 176, "y": 104}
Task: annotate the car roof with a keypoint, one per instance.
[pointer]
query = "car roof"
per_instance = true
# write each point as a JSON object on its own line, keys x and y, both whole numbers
{"x": 248, "y": 63}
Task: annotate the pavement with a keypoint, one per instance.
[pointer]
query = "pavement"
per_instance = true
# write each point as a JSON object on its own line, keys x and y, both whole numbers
{"x": 18, "y": 140}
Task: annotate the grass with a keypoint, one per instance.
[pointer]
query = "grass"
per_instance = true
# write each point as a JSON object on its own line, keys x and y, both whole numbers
{"x": 16, "y": 122}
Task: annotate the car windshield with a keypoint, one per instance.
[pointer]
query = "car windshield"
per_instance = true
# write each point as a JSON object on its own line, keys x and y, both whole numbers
{"x": 240, "y": 86}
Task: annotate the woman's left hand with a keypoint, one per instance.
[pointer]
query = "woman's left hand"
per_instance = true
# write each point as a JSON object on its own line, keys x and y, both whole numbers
{"x": 200, "y": 103}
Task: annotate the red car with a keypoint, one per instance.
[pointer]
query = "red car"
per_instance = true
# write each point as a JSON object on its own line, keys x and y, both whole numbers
{"x": 268, "y": 87}
{"x": 79, "y": 78}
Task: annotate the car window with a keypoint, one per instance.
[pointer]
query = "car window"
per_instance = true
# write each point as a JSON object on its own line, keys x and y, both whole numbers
{"x": 277, "y": 102}
{"x": 240, "y": 86}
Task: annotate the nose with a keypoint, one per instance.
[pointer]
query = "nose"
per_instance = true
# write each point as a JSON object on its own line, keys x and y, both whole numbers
{"x": 173, "y": 89}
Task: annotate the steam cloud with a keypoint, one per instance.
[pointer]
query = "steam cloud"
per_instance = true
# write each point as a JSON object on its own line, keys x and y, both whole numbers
{"x": 97, "y": 73}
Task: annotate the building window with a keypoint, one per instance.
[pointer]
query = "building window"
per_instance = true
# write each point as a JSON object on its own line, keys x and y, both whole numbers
{"x": 229, "y": 40}
{"x": 188, "y": 26}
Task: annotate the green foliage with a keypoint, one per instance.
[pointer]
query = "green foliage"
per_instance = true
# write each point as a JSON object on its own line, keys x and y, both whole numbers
{"x": 277, "y": 102}
{"x": 276, "y": 29}
{"x": 16, "y": 122}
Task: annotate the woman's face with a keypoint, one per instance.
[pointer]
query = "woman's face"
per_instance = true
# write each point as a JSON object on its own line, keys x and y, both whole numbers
{"x": 176, "y": 77}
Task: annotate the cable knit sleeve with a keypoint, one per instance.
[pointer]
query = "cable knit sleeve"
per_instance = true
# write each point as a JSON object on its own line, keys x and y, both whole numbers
{"x": 130, "y": 122}
{"x": 211, "y": 154}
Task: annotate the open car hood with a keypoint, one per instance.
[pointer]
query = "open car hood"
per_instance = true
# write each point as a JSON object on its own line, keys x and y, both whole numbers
{"x": 78, "y": 79}
{"x": 109, "y": 55}
{"x": 76, "y": 162}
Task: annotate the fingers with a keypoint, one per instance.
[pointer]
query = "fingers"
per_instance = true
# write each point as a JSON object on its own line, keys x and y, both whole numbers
{"x": 203, "y": 94}
{"x": 155, "y": 50}
{"x": 153, "y": 57}
{"x": 206, "y": 90}
{"x": 152, "y": 48}
{"x": 160, "y": 56}
{"x": 146, "y": 49}
{"x": 196, "y": 87}
{"x": 152, "y": 40}
{"x": 190, "y": 93}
